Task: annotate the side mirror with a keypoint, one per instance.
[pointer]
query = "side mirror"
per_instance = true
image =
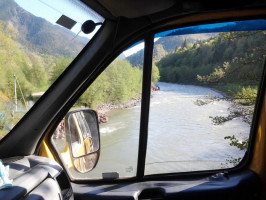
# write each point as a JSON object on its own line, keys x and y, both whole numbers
{"x": 82, "y": 135}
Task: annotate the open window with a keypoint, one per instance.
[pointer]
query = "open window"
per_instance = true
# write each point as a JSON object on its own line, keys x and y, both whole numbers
{"x": 116, "y": 96}
{"x": 201, "y": 117}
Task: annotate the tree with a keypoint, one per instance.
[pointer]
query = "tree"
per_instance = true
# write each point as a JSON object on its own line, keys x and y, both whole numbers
{"x": 184, "y": 45}
{"x": 155, "y": 74}
{"x": 60, "y": 65}
{"x": 243, "y": 50}
{"x": 119, "y": 83}
{"x": 158, "y": 52}
{"x": 218, "y": 74}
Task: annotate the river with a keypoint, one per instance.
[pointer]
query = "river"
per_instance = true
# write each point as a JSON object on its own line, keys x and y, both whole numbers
{"x": 182, "y": 136}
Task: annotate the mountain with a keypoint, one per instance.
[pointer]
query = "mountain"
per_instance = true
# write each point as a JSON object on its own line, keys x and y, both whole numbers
{"x": 167, "y": 45}
{"x": 33, "y": 49}
{"x": 234, "y": 57}
{"x": 179, "y": 36}
{"x": 38, "y": 34}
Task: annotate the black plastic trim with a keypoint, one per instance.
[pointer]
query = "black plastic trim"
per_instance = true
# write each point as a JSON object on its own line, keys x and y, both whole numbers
{"x": 145, "y": 105}
{"x": 243, "y": 186}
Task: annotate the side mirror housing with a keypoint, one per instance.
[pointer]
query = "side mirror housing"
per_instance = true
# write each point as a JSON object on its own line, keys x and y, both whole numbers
{"x": 82, "y": 136}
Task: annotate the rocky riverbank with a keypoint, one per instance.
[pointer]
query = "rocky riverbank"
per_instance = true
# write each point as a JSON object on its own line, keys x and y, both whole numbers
{"x": 237, "y": 110}
{"x": 103, "y": 110}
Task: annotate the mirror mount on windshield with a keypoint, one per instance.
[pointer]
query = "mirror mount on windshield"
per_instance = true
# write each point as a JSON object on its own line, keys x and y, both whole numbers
{"x": 82, "y": 134}
{"x": 89, "y": 26}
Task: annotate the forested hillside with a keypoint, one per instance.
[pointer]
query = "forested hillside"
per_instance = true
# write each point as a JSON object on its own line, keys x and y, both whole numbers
{"x": 228, "y": 61}
{"x": 30, "y": 71}
{"x": 32, "y": 49}
{"x": 34, "y": 70}
{"x": 34, "y": 52}
{"x": 37, "y": 34}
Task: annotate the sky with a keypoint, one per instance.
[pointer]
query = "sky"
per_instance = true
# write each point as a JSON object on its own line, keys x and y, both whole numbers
{"x": 133, "y": 49}
{"x": 136, "y": 47}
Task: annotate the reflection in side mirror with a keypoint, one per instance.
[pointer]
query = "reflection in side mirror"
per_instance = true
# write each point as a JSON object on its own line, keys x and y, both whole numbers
{"x": 82, "y": 134}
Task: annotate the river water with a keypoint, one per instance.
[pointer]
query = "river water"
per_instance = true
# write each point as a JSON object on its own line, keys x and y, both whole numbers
{"x": 182, "y": 136}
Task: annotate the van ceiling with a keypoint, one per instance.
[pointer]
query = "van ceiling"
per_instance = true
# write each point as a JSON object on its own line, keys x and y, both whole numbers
{"x": 111, "y": 9}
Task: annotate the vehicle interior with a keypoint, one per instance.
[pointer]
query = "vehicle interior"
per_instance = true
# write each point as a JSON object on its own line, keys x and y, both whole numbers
{"x": 40, "y": 171}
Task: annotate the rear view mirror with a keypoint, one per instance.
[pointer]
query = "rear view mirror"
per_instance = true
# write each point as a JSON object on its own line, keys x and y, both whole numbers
{"x": 82, "y": 135}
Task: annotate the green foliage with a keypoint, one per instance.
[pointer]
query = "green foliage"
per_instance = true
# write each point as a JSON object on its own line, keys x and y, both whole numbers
{"x": 60, "y": 65}
{"x": 12, "y": 60}
{"x": 241, "y": 55}
{"x": 218, "y": 74}
{"x": 35, "y": 72}
{"x": 247, "y": 95}
{"x": 241, "y": 145}
{"x": 218, "y": 120}
{"x": 119, "y": 83}
{"x": 184, "y": 45}
{"x": 31, "y": 69}
{"x": 2, "y": 122}
{"x": 155, "y": 74}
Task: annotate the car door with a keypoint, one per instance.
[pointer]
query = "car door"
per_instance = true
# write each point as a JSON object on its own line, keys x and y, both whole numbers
{"x": 178, "y": 87}
{"x": 214, "y": 83}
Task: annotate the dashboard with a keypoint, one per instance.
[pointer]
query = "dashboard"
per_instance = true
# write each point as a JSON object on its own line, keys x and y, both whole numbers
{"x": 36, "y": 178}
{"x": 39, "y": 178}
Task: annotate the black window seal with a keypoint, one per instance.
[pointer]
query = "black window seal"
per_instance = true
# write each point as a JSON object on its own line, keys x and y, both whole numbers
{"x": 145, "y": 105}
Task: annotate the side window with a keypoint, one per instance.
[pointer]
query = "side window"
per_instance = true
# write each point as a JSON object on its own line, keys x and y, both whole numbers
{"x": 201, "y": 114}
{"x": 116, "y": 96}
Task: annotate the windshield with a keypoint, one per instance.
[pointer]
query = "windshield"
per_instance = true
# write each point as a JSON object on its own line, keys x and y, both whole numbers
{"x": 39, "y": 39}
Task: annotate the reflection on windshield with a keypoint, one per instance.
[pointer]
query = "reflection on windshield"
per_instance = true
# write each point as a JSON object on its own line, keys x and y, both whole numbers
{"x": 251, "y": 25}
{"x": 35, "y": 50}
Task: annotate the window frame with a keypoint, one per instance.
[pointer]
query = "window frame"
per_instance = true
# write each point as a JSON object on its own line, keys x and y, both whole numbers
{"x": 246, "y": 160}
{"x": 76, "y": 96}
{"x": 148, "y": 38}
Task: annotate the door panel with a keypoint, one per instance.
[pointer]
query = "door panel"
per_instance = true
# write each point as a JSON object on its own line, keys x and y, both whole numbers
{"x": 243, "y": 186}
